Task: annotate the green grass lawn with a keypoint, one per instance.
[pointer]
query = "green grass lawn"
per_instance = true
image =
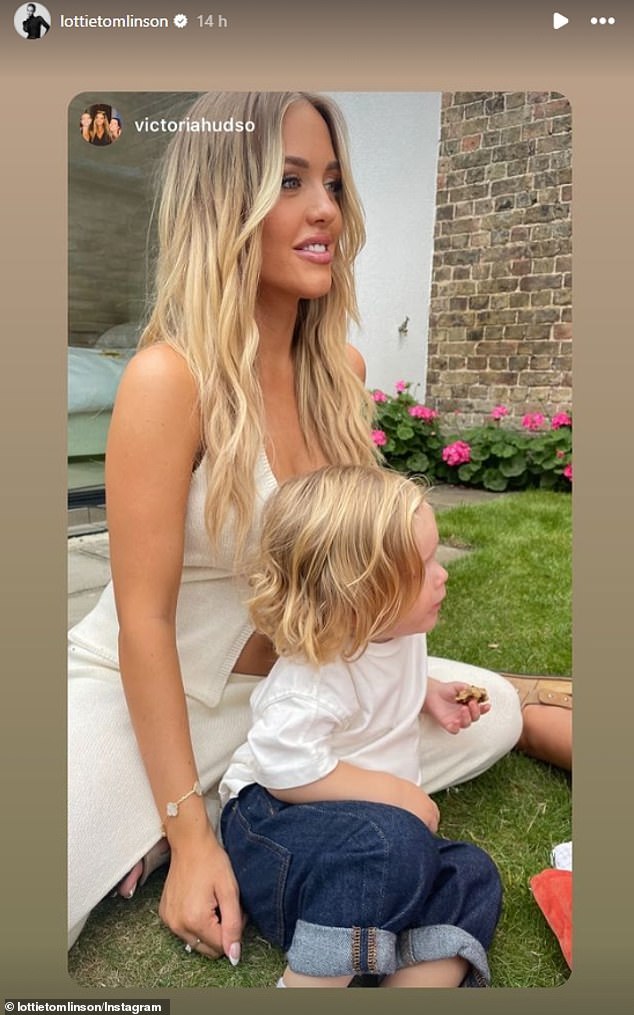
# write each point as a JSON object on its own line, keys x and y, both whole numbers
{"x": 508, "y": 608}
{"x": 508, "y": 602}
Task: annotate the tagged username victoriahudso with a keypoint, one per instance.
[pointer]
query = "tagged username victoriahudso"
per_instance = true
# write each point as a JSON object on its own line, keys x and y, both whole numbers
{"x": 148, "y": 126}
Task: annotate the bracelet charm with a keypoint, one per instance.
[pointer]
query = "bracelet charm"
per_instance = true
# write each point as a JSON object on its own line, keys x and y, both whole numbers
{"x": 173, "y": 805}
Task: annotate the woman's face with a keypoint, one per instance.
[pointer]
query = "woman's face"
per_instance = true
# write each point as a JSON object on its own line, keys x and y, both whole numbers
{"x": 300, "y": 233}
{"x": 100, "y": 119}
{"x": 85, "y": 119}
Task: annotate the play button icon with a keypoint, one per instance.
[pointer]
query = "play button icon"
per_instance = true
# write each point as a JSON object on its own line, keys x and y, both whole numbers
{"x": 559, "y": 20}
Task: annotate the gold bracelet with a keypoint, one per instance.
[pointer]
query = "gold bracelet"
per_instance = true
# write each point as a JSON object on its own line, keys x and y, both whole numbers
{"x": 172, "y": 806}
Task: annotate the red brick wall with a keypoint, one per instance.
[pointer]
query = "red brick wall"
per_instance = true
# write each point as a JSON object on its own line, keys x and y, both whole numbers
{"x": 500, "y": 317}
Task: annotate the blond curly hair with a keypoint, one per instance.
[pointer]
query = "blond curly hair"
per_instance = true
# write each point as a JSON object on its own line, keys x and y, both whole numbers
{"x": 338, "y": 562}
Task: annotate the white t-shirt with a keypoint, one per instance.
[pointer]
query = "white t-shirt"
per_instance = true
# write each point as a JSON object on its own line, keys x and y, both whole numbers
{"x": 308, "y": 718}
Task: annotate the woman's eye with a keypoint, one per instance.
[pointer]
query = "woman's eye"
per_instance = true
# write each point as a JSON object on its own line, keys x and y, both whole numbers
{"x": 334, "y": 186}
{"x": 290, "y": 182}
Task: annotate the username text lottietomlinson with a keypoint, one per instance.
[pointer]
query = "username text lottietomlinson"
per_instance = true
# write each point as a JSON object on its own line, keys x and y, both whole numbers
{"x": 134, "y": 1006}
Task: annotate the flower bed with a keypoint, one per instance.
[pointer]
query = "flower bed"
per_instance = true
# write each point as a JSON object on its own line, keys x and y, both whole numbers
{"x": 495, "y": 454}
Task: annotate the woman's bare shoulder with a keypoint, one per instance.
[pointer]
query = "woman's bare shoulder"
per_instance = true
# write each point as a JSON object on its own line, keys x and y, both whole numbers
{"x": 160, "y": 363}
{"x": 157, "y": 400}
{"x": 356, "y": 361}
{"x": 158, "y": 372}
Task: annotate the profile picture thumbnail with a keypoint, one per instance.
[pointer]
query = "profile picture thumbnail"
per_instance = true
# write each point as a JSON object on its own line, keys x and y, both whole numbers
{"x": 32, "y": 21}
{"x": 100, "y": 124}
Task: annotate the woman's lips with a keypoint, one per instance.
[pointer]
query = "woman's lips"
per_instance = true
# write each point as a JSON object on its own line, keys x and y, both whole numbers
{"x": 315, "y": 253}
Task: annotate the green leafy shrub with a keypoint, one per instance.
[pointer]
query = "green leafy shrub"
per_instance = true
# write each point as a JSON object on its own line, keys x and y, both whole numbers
{"x": 494, "y": 454}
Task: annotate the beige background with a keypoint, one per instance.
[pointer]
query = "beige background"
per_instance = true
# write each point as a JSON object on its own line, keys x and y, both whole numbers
{"x": 324, "y": 46}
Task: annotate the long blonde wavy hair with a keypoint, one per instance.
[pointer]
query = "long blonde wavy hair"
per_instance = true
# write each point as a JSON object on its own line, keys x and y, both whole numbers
{"x": 216, "y": 189}
{"x": 338, "y": 563}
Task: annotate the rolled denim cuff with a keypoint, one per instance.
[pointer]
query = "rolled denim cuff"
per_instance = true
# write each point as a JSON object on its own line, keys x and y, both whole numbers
{"x": 341, "y": 951}
{"x": 444, "y": 941}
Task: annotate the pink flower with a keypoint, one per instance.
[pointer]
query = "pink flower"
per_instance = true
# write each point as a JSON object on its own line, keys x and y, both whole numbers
{"x": 560, "y": 419}
{"x": 560, "y": 454}
{"x": 533, "y": 420}
{"x": 422, "y": 412}
{"x": 568, "y": 472}
{"x": 379, "y": 437}
{"x": 401, "y": 386}
{"x": 379, "y": 396}
{"x": 457, "y": 453}
{"x": 499, "y": 411}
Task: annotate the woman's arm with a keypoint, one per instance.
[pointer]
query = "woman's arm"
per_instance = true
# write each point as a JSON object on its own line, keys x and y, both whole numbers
{"x": 153, "y": 441}
{"x": 349, "y": 782}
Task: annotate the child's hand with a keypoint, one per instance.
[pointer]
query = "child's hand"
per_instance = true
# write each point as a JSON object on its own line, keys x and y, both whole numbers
{"x": 441, "y": 705}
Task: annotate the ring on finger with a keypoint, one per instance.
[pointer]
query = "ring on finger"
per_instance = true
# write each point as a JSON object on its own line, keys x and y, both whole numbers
{"x": 189, "y": 948}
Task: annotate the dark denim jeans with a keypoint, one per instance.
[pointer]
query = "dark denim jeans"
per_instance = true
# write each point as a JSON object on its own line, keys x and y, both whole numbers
{"x": 348, "y": 887}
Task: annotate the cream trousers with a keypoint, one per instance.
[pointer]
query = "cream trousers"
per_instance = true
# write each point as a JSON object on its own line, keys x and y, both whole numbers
{"x": 113, "y": 820}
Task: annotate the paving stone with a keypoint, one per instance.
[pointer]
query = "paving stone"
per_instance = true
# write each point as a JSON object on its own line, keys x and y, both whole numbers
{"x": 97, "y": 544}
{"x": 86, "y": 571}
{"x": 444, "y": 497}
{"x": 445, "y": 555}
{"x": 81, "y": 603}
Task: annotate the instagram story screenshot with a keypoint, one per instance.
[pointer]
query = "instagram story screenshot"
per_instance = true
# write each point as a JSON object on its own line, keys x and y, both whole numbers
{"x": 300, "y": 305}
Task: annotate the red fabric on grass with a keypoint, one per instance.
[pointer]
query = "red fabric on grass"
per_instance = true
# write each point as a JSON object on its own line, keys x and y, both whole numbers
{"x": 552, "y": 890}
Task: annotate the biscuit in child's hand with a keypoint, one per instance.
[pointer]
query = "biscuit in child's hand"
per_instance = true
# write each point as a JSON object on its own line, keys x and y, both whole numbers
{"x": 472, "y": 693}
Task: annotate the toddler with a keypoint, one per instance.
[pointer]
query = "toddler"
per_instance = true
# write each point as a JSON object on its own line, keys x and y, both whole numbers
{"x": 332, "y": 839}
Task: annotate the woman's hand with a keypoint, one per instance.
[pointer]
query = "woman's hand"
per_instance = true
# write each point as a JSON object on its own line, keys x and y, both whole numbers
{"x": 200, "y": 901}
{"x": 441, "y": 705}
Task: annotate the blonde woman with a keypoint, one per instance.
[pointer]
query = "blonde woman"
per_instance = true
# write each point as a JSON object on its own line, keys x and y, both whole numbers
{"x": 243, "y": 380}
{"x": 100, "y": 130}
{"x": 324, "y": 818}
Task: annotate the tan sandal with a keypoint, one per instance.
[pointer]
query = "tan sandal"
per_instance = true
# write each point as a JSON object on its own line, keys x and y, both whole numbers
{"x": 541, "y": 690}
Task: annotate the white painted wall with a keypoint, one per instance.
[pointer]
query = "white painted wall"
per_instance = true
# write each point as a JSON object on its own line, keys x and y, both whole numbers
{"x": 394, "y": 149}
